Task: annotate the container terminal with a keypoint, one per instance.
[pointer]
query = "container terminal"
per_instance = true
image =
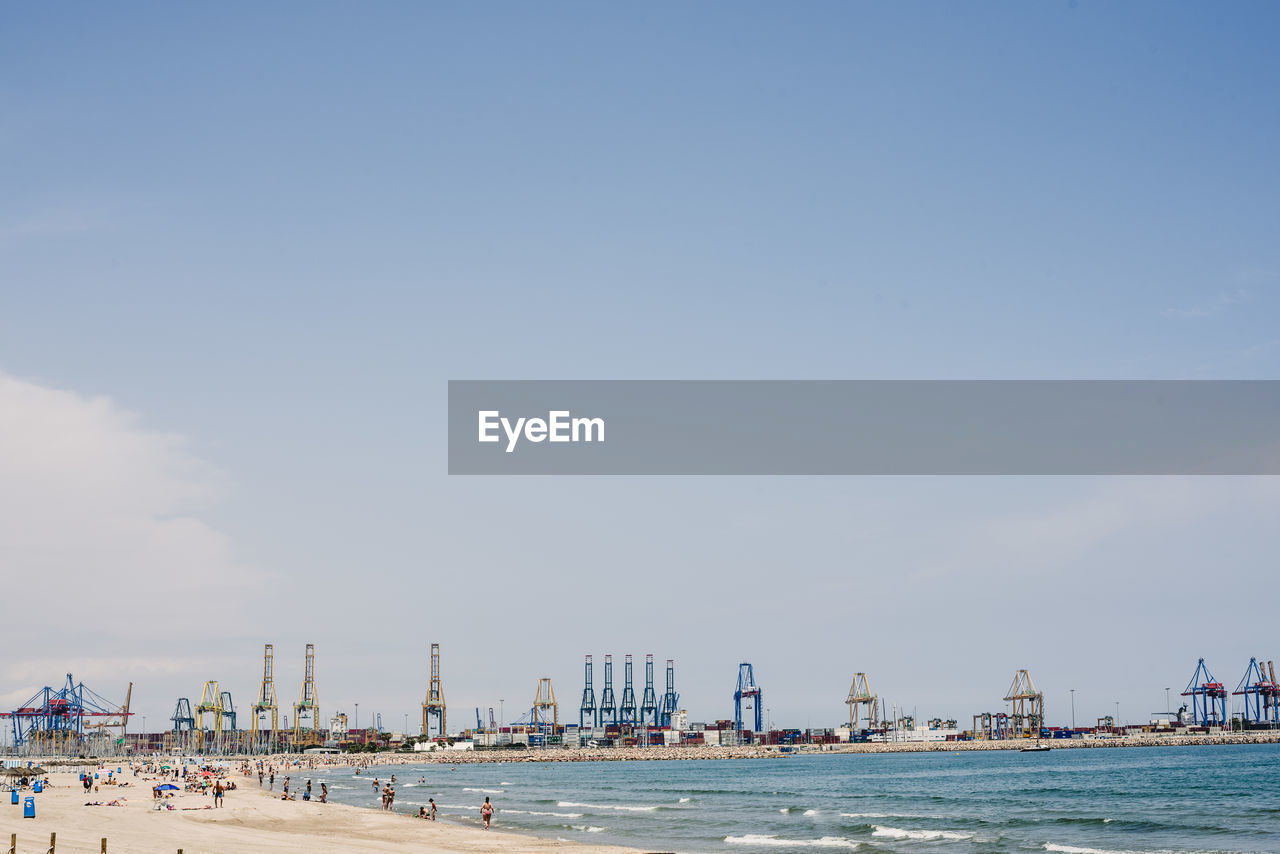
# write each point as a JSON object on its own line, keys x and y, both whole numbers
{"x": 74, "y": 720}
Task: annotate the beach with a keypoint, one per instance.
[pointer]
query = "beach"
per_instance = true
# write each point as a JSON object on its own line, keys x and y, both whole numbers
{"x": 978, "y": 799}
{"x": 251, "y": 821}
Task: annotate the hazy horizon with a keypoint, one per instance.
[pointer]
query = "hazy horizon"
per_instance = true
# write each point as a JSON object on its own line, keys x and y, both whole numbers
{"x": 243, "y": 249}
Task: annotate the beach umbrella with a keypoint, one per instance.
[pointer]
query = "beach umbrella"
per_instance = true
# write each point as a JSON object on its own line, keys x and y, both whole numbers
{"x": 167, "y": 786}
{"x": 37, "y": 770}
{"x": 13, "y": 772}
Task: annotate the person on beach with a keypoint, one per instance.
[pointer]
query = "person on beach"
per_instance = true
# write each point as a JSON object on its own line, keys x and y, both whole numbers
{"x": 217, "y": 794}
{"x": 486, "y": 812}
{"x": 324, "y": 793}
{"x": 272, "y": 781}
{"x": 306, "y": 796}
{"x": 432, "y": 801}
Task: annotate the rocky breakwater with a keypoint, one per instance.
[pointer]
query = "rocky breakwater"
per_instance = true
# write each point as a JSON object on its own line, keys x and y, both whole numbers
{"x": 1144, "y": 740}
{"x": 602, "y": 754}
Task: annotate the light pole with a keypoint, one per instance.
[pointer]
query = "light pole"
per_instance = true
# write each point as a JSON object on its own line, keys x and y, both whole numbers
{"x": 406, "y": 723}
{"x": 1073, "y": 709}
{"x": 502, "y": 715}
{"x": 1117, "y": 713}
{"x": 357, "y": 717}
{"x": 1167, "y": 706}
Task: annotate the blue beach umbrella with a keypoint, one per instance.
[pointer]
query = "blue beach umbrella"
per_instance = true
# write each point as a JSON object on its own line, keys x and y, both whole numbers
{"x": 166, "y": 787}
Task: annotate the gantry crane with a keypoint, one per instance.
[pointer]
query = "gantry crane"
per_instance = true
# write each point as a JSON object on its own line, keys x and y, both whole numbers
{"x": 627, "y": 708}
{"x": 545, "y": 701}
{"x": 1027, "y": 717}
{"x": 670, "y": 700}
{"x": 860, "y": 695}
{"x": 308, "y": 700}
{"x": 587, "y": 709}
{"x": 649, "y": 702}
{"x": 210, "y": 703}
{"x": 433, "y": 705}
{"x": 608, "y": 709}
{"x": 747, "y": 690}
{"x": 265, "y": 704}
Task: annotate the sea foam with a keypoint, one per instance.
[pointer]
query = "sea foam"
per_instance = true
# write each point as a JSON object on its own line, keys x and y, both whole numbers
{"x": 774, "y": 841}
{"x": 606, "y": 806}
{"x": 1071, "y": 849}
{"x": 901, "y": 833}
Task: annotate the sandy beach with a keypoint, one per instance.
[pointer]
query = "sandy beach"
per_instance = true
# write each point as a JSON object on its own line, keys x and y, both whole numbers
{"x": 250, "y": 821}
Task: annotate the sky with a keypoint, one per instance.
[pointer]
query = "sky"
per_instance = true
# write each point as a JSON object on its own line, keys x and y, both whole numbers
{"x": 243, "y": 248}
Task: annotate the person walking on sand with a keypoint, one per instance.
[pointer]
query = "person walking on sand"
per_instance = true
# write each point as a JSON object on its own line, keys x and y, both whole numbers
{"x": 486, "y": 812}
{"x": 217, "y": 794}
{"x": 324, "y": 793}
{"x": 432, "y": 801}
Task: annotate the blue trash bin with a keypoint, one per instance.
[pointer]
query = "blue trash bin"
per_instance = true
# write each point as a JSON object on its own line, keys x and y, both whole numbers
{"x": 29, "y": 807}
{"x": 14, "y": 801}
{"x": 38, "y": 787}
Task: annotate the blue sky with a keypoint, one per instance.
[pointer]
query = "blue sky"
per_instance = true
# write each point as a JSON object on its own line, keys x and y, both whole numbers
{"x": 277, "y": 231}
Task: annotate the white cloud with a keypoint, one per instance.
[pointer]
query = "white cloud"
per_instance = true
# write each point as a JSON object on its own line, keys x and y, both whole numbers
{"x": 109, "y": 571}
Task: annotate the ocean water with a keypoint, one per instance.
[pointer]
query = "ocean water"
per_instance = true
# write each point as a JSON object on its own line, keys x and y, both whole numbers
{"x": 1208, "y": 799}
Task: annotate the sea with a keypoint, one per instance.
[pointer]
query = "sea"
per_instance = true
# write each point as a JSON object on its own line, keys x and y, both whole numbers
{"x": 1100, "y": 801}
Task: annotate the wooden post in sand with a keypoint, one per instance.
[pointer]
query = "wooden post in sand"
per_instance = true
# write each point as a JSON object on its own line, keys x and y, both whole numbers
{"x": 53, "y": 840}
{"x": 13, "y": 843}
{"x": 104, "y": 845}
